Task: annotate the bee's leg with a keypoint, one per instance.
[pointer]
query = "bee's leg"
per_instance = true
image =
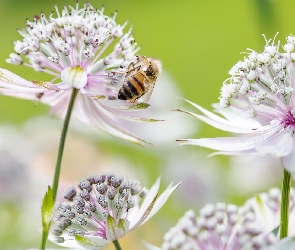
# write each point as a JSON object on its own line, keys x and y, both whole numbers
{"x": 134, "y": 69}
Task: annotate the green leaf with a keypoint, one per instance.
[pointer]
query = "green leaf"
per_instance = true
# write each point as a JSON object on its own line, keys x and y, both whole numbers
{"x": 122, "y": 228}
{"x": 47, "y": 209}
{"x": 93, "y": 242}
{"x": 275, "y": 231}
{"x": 111, "y": 226}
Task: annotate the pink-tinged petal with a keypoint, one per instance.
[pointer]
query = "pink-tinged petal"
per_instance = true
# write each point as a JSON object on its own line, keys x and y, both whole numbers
{"x": 58, "y": 101}
{"x": 131, "y": 116}
{"x": 233, "y": 144}
{"x": 91, "y": 242}
{"x": 13, "y": 85}
{"x": 152, "y": 193}
{"x": 269, "y": 111}
{"x": 11, "y": 80}
{"x": 222, "y": 125}
{"x": 93, "y": 113}
{"x": 123, "y": 105}
{"x": 236, "y": 116}
{"x": 161, "y": 200}
{"x": 289, "y": 162}
{"x": 280, "y": 144}
{"x": 219, "y": 119}
{"x": 62, "y": 85}
{"x": 7, "y": 77}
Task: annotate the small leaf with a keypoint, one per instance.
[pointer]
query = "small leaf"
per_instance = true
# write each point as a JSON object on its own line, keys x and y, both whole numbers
{"x": 122, "y": 228}
{"x": 94, "y": 243}
{"x": 275, "y": 231}
{"x": 111, "y": 227}
{"x": 47, "y": 209}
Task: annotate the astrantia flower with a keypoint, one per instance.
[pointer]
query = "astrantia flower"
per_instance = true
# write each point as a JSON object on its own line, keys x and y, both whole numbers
{"x": 228, "y": 227}
{"x": 104, "y": 208}
{"x": 82, "y": 49}
{"x": 259, "y": 103}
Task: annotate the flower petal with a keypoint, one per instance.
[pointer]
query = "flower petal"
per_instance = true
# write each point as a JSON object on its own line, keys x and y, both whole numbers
{"x": 236, "y": 116}
{"x": 91, "y": 242}
{"x": 123, "y": 105}
{"x": 89, "y": 111}
{"x": 13, "y": 85}
{"x": 234, "y": 144}
{"x": 150, "y": 246}
{"x": 288, "y": 162}
{"x": 152, "y": 193}
{"x": 221, "y": 123}
{"x": 280, "y": 144}
{"x": 161, "y": 200}
{"x": 69, "y": 241}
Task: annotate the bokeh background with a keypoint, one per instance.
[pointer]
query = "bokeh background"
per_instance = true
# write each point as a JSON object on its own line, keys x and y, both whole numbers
{"x": 198, "y": 42}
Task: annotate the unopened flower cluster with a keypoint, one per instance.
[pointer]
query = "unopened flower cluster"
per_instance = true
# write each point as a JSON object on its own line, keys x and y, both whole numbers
{"x": 229, "y": 227}
{"x": 104, "y": 208}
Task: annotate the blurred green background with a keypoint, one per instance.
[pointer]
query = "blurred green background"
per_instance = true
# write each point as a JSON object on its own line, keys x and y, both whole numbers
{"x": 198, "y": 42}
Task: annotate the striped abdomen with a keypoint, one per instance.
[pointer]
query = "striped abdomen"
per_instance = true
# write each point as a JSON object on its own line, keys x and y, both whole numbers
{"x": 132, "y": 88}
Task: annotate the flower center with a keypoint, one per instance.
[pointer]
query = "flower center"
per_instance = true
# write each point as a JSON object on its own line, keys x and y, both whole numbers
{"x": 74, "y": 77}
{"x": 289, "y": 119}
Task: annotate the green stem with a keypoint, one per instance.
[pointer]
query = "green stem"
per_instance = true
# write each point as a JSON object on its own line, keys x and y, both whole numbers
{"x": 44, "y": 239}
{"x": 59, "y": 158}
{"x": 117, "y": 245}
{"x": 62, "y": 143}
{"x": 285, "y": 204}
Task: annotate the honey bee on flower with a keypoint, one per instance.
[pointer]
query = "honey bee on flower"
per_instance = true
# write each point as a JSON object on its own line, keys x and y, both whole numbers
{"x": 73, "y": 45}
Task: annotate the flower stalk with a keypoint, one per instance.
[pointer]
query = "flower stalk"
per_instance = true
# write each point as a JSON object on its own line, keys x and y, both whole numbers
{"x": 62, "y": 143}
{"x": 117, "y": 245}
{"x": 285, "y": 204}
{"x": 44, "y": 239}
{"x": 59, "y": 158}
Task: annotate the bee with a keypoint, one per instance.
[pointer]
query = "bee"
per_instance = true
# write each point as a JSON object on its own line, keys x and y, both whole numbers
{"x": 140, "y": 79}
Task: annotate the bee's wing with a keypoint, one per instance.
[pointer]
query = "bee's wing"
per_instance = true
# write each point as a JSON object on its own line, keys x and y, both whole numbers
{"x": 146, "y": 97}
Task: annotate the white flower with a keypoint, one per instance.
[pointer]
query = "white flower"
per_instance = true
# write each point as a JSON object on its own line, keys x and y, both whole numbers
{"x": 258, "y": 102}
{"x": 74, "y": 47}
{"x": 104, "y": 208}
